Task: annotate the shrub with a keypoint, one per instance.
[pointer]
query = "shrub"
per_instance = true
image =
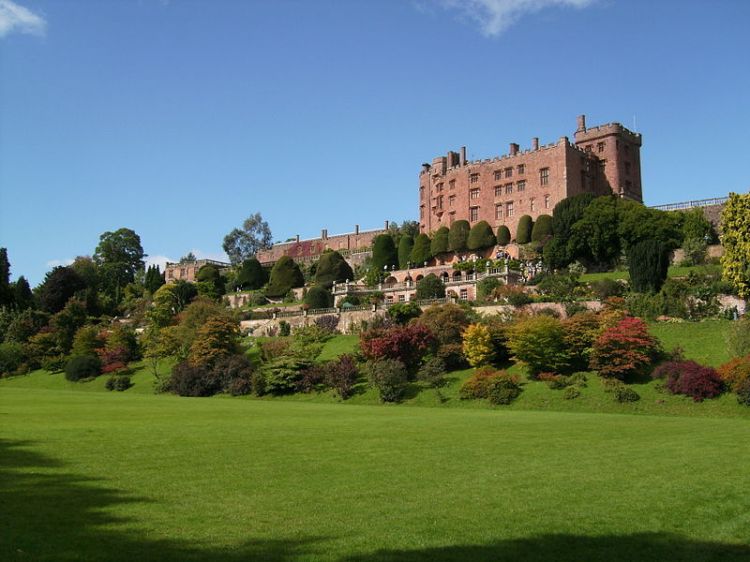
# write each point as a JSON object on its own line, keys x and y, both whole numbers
{"x": 559, "y": 287}
{"x": 407, "y": 344}
{"x": 458, "y": 236}
{"x": 439, "y": 244}
{"x": 481, "y": 237}
{"x": 258, "y": 382}
{"x": 240, "y": 387}
{"x": 191, "y": 380}
{"x": 251, "y": 275}
{"x": 623, "y": 393}
{"x": 285, "y": 276}
{"x": 431, "y": 287}
{"x": 447, "y": 323}
{"x": 328, "y": 323}
{"x": 743, "y": 393}
{"x": 735, "y": 372}
{"x": 503, "y": 235}
{"x": 312, "y": 378}
{"x": 82, "y": 367}
{"x": 542, "y": 229}
{"x": 691, "y": 379}
{"x": 739, "y": 337}
{"x": 432, "y": 372}
{"x": 523, "y": 231}
{"x": 332, "y": 268}
{"x": 606, "y": 288}
{"x": 273, "y": 348}
{"x": 118, "y": 383}
{"x": 578, "y": 379}
{"x": 497, "y": 386}
{"x": 318, "y": 297}
{"x": 341, "y": 375}
{"x": 113, "y": 359}
{"x": 503, "y": 389}
{"x": 125, "y": 339}
{"x": 540, "y": 343}
{"x": 12, "y": 357}
{"x": 477, "y": 345}
{"x": 487, "y": 286}
{"x": 477, "y": 385}
{"x": 215, "y": 339}
{"x": 87, "y": 341}
{"x": 405, "y": 246}
{"x": 384, "y": 254}
{"x": 624, "y": 350}
{"x": 421, "y": 252}
{"x": 571, "y": 393}
{"x": 283, "y": 375}
{"x": 581, "y": 331}
{"x": 648, "y": 264}
{"x": 554, "y": 381}
{"x": 402, "y": 312}
{"x": 389, "y": 377}
{"x": 284, "y": 328}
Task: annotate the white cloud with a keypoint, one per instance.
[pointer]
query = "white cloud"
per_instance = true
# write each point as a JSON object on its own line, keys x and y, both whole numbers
{"x": 161, "y": 260}
{"x": 55, "y": 263}
{"x": 17, "y": 18}
{"x": 495, "y": 16}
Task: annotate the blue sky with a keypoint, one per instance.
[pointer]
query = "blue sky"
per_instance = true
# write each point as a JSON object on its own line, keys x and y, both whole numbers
{"x": 180, "y": 118}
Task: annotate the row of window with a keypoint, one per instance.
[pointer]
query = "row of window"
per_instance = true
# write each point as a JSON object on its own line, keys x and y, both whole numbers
{"x": 474, "y": 178}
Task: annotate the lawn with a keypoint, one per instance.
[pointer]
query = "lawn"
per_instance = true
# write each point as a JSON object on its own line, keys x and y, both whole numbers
{"x": 674, "y": 271}
{"x": 119, "y": 476}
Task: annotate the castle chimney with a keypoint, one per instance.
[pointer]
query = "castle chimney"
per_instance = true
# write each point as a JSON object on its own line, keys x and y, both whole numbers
{"x": 513, "y": 148}
{"x": 386, "y": 225}
{"x": 581, "y": 123}
{"x": 356, "y": 229}
{"x": 535, "y": 143}
{"x": 462, "y": 158}
{"x": 425, "y": 167}
{"x": 297, "y": 239}
{"x": 324, "y": 234}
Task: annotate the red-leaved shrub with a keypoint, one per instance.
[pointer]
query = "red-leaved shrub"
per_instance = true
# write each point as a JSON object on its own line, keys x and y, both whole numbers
{"x": 113, "y": 359}
{"x": 691, "y": 379}
{"x": 624, "y": 350}
{"x": 735, "y": 372}
{"x": 407, "y": 344}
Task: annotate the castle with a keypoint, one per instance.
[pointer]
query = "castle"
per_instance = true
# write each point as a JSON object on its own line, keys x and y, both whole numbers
{"x": 602, "y": 160}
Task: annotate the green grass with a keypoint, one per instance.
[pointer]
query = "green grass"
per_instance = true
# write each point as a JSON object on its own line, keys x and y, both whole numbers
{"x": 674, "y": 271}
{"x": 338, "y": 345}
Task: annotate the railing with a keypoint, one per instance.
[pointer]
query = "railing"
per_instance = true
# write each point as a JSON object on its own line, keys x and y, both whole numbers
{"x": 691, "y": 204}
{"x": 316, "y": 311}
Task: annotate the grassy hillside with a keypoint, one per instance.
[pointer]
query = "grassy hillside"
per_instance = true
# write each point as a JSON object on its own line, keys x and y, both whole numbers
{"x": 674, "y": 271}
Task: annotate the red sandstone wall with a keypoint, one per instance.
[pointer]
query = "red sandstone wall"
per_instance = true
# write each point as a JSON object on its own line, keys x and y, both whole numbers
{"x": 310, "y": 249}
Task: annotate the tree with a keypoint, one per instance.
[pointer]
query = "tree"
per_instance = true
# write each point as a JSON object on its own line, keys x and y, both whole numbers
{"x": 285, "y": 275}
{"x": 318, "y": 297}
{"x": 447, "y": 323}
{"x": 216, "y": 339}
{"x": 595, "y": 235}
{"x": 170, "y": 300}
{"x": 477, "y": 345}
{"x": 523, "y": 231}
{"x": 210, "y": 282}
{"x": 154, "y": 279}
{"x": 245, "y": 243}
{"x": 421, "y": 252}
{"x": 439, "y": 244}
{"x": 624, "y": 349}
{"x": 189, "y": 257}
{"x": 503, "y": 235}
{"x": 22, "y": 295}
{"x": 405, "y": 246}
{"x": 539, "y": 341}
{"x": 458, "y": 236}
{"x": 637, "y": 223}
{"x": 58, "y": 287}
{"x": 558, "y": 252}
{"x": 648, "y": 264}
{"x": 384, "y": 253}
{"x": 481, "y": 237}
{"x": 431, "y": 287}
{"x": 251, "y": 276}
{"x": 332, "y": 268}
{"x": 695, "y": 225}
{"x": 119, "y": 256}
{"x": 6, "y": 295}
{"x": 735, "y": 223}
{"x": 542, "y": 229}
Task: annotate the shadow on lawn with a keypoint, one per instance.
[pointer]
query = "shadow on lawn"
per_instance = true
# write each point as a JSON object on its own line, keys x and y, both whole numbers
{"x": 47, "y": 514}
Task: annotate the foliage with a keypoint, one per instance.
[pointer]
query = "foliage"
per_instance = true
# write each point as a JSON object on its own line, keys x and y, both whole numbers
{"x": 432, "y": 372}
{"x": 421, "y": 252}
{"x": 328, "y": 323}
{"x": 82, "y": 367}
{"x": 512, "y": 295}
{"x": 6, "y": 295}
{"x": 696, "y": 226}
{"x": 594, "y": 236}
{"x": 559, "y": 252}
{"x": 648, "y": 264}
{"x": 384, "y": 254}
{"x": 560, "y": 287}
{"x": 477, "y": 345}
{"x": 58, "y": 287}
{"x": 736, "y": 372}
{"x": 440, "y": 243}
{"x": 318, "y": 297}
{"x": 273, "y": 348}
{"x": 626, "y": 349}
{"x": 285, "y": 276}
{"x": 170, "y": 300}
{"x": 735, "y": 220}
{"x": 430, "y": 287}
{"x": 215, "y": 339}
{"x": 113, "y": 359}
{"x": 481, "y": 237}
{"x": 497, "y": 386}
{"x": 571, "y": 393}
{"x": 124, "y": 337}
{"x": 447, "y": 323}
{"x": 739, "y": 337}
{"x": 24, "y": 324}
{"x": 743, "y": 393}
{"x": 251, "y": 275}
{"x": 154, "y": 279}
{"x": 458, "y": 236}
{"x": 486, "y": 287}
{"x": 637, "y": 223}
{"x": 22, "y": 296}
{"x": 243, "y": 244}
{"x": 691, "y": 379}
{"x": 389, "y": 377}
{"x": 581, "y": 331}
{"x": 523, "y": 230}
{"x": 118, "y": 383}
{"x": 12, "y": 357}
{"x": 87, "y": 341}
{"x": 694, "y": 250}
{"x": 407, "y": 344}
{"x": 119, "y": 256}
{"x": 542, "y": 228}
{"x": 332, "y": 268}
{"x": 405, "y": 245}
{"x": 539, "y": 342}
{"x": 65, "y": 323}
{"x": 341, "y": 375}
{"x": 216, "y": 284}
{"x": 606, "y": 288}
{"x": 402, "y": 312}
{"x": 503, "y": 235}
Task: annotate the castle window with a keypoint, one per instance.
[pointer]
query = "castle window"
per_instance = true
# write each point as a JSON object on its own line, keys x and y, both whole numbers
{"x": 521, "y": 185}
{"x": 499, "y": 212}
{"x": 544, "y": 176}
{"x": 421, "y": 191}
{"x": 509, "y": 172}
{"x": 498, "y": 174}
{"x": 474, "y": 194}
{"x": 588, "y": 148}
{"x": 508, "y": 188}
{"x": 440, "y": 202}
{"x": 474, "y": 214}
{"x": 421, "y": 211}
{"x": 600, "y": 147}
{"x": 498, "y": 190}
{"x": 451, "y": 200}
{"x": 532, "y": 205}
{"x": 509, "y": 209}
{"x": 439, "y": 187}
{"x": 402, "y": 298}
{"x": 546, "y": 201}
{"x": 464, "y": 294}
{"x": 521, "y": 169}
{"x": 474, "y": 178}
{"x": 452, "y": 184}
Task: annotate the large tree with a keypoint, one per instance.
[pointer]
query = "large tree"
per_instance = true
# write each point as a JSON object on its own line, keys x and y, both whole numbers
{"x": 22, "y": 294}
{"x": 58, "y": 287}
{"x": 6, "y": 295}
{"x": 244, "y": 243}
{"x": 119, "y": 256}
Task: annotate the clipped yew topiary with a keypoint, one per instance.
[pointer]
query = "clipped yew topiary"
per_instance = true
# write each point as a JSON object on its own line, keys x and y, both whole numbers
{"x": 318, "y": 297}
{"x": 384, "y": 254}
{"x": 542, "y": 228}
{"x": 405, "y": 246}
{"x": 332, "y": 268}
{"x": 251, "y": 275}
{"x": 503, "y": 235}
{"x": 648, "y": 262}
{"x": 481, "y": 237}
{"x": 285, "y": 276}
{"x": 458, "y": 236}
{"x": 431, "y": 287}
{"x": 439, "y": 244}
{"x": 523, "y": 232}
{"x": 421, "y": 251}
